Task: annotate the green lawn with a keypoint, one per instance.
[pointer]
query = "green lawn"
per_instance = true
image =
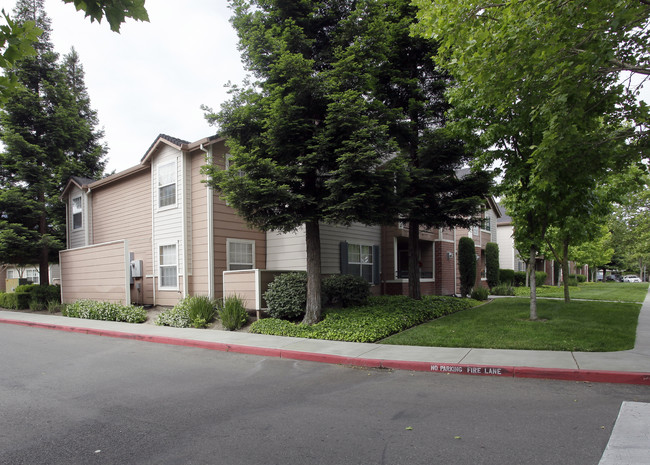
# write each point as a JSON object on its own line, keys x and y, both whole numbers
{"x": 504, "y": 324}
{"x": 622, "y": 292}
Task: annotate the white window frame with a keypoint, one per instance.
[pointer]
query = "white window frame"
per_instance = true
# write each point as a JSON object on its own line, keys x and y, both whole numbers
{"x": 11, "y": 273}
{"x": 487, "y": 217}
{"x": 162, "y": 186}
{"x": 33, "y": 274}
{"x": 77, "y": 210}
{"x": 362, "y": 263}
{"x": 229, "y": 261}
{"x": 161, "y": 265}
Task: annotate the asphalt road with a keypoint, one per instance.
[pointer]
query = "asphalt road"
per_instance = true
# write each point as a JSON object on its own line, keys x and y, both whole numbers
{"x": 68, "y": 398}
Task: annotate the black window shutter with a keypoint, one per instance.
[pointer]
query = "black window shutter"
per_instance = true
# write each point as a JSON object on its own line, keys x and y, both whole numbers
{"x": 343, "y": 255}
{"x": 375, "y": 264}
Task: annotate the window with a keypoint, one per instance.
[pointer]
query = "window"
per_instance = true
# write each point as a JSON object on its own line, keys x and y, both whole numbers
{"x": 32, "y": 276}
{"x": 360, "y": 261}
{"x": 167, "y": 185}
{"x": 77, "y": 217}
{"x": 486, "y": 224}
{"x": 241, "y": 254}
{"x": 11, "y": 274}
{"x": 168, "y": 267}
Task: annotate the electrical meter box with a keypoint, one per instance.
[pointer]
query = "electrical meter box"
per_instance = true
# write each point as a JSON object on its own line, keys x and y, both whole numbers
{"x": 136, "y": 268}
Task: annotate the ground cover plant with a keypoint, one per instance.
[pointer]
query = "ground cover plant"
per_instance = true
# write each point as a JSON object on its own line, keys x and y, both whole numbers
{"x": 504, "y": 324}
{"x": 622, "y": 292}
{"x": 382, "y": 317}
{"x": 108, "y": 311}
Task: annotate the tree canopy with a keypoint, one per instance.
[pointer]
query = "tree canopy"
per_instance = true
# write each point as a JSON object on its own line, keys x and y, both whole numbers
{"x": 538, "y": 87}
{"x": 305, "y": 145}
{"x": 48, "y": 130}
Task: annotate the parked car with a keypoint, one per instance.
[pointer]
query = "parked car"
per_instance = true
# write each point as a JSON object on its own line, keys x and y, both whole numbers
{"x": 613, "y": 277}
{"x": 631, "y": 278}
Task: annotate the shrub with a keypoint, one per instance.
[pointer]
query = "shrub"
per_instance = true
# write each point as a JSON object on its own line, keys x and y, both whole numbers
{"x": 502, "y": 289}
{"x": 581, "y": 278}
{"x": 506, "y": 276}
{"x": 572, "y": 281}
{"x": 36, "y": 305}
{"x": 45, "y": 294}
{"x": 177, "y": 317}
{"x": 346, "y": 290}
{"x": 201, "y": 310}
{"x": 466, "y": 264}
{"x": 108, "y": 311}
{"x": 22, "y": 300}
{"x": 492, "y": 263}
{"x": 54, "y": 306}
{"x": 233, "y": 314}
{"x": 286, "y": 296}
{"x": 27, "y": 288}
{"x": 480, "y": 293}
{"x": 8, "y": 300}
{"x": 519, "y": 278}
{"x": 540, "y": 278}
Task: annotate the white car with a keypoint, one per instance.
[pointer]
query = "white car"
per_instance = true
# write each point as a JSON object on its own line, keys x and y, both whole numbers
{"x": 631, "y": 278}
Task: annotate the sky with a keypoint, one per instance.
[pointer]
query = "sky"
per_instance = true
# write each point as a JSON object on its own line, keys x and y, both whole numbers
{"x": 153, "y": 77}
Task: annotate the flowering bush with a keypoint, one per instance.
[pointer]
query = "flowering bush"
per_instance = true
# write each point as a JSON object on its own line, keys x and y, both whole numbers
{"x": 108, "y": 311}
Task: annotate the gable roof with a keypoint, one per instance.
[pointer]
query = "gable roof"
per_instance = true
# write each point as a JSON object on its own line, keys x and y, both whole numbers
{"x": 504, "y": 219}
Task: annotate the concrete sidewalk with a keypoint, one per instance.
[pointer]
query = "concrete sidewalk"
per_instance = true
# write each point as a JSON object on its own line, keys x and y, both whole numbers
{"x": 630, "y": 366}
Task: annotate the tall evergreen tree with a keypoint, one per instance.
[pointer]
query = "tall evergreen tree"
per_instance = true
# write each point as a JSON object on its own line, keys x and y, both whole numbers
{"x": 48, "y": 130}
{"x": 304, "y": 143}
{"x": 411, "y": 90}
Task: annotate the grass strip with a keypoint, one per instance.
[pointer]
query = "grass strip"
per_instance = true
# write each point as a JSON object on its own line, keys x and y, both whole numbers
{"x": 504, "y": 324}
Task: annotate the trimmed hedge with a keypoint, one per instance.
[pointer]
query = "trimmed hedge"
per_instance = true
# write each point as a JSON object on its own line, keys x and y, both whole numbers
{"x": 286, "y": 296}
{"x": 540, "y": 278}
{"x": 492, "y": 264}
{"x": 506, "y": 276}
{"x": 520, "y": 278}
{"x": 466, "y": 264}
{"x": 32, "y": 296}
{"x": 379, "y": 319}
{"x": 107, "y": 311}
{"x": 345, "y": 290}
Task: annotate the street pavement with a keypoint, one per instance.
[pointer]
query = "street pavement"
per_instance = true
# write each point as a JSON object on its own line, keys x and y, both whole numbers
{"x": 629, "y": 443}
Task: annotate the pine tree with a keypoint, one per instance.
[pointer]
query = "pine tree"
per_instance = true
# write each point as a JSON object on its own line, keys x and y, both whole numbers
{"x": 304, "y": 145}
{"x": 411, "y": 89}
{"x": 48, "y": 132}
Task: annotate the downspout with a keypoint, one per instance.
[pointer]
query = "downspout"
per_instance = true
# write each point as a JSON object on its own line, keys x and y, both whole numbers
{"x": 210, "y": 225}
{"x": 153, "y": 237}
{"x": 186, "y": 284}
{"x": 455, "y": 263}
{"x": 89, "y": 215}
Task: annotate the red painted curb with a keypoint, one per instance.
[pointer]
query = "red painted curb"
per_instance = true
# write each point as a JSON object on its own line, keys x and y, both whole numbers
{"x": 594, "y": 376}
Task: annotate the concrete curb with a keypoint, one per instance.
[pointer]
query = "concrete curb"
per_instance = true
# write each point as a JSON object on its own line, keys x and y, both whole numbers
{"x": 596, "y": 376}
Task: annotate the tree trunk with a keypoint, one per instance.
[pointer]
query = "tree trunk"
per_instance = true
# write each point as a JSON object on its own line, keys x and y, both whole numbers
{"x": 312, "y": 239}
{"x": 533, "y": 285}
{"x": 414, "y": 263}
{"x": 44, "y": 258}
{"x": 565, "y": 269}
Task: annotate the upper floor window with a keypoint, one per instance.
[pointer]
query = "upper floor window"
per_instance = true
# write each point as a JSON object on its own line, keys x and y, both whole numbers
{"x": 167, "y": 185}
{"x": 77, "y": 213}
{"x": 486, "y": 223}
{"x": 241, "y": 254}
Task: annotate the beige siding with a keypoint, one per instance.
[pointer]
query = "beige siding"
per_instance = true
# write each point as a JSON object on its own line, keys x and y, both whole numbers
{"x": 96, "y": 272}
{"x": 286, "y": 251}
{"x": 168, "y": 221}
{"x": 122, "y": 211}
{"x": 332, "y": 236}
{"x": 197, "y": 218}
{"x": 228, "y": 225}
{"x": 242, "y": 284}
{"x": 77, "y": 237}
{"x": 506, "y": 247}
